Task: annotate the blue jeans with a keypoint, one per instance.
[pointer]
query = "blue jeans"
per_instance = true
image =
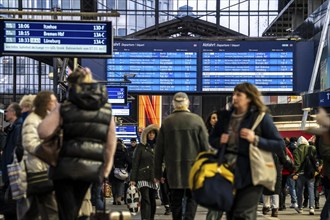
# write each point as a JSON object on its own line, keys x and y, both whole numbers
{"x": 292, "y": 189}
{"x": 301, "y": 181}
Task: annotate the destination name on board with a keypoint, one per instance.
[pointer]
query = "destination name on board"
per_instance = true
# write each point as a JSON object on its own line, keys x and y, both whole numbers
{"x": 51, "y": 41}
{"x": 49, "y": 26}
{"x": 54, "y": 34}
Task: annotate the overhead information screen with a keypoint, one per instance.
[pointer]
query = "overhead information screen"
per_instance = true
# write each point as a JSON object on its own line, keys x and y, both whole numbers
{"x": 117, "y": 95}
{"x": 56, "y": 38}
{"x": 126, "y": 132}
{"x": 157, "y": 66}
{"x": 171, "y": 66}
{"x": 268, "y": 65}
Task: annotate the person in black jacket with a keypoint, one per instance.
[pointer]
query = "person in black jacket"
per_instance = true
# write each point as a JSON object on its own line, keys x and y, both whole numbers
{"x": 142, "y": 173}
{"x": 121, "y": 160}
{"x": 89, "y": 141}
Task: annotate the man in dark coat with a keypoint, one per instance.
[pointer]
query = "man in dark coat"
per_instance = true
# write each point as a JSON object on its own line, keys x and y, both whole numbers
{"x": 13, "y": 130}
{"x": 181, "y": 137}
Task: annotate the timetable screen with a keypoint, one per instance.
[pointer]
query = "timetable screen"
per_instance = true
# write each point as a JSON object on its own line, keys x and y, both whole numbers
{"x": 268, "y": 65}
{"x": 156, "y": 66}
{"x": 202, "y": 66}
{"x": 60, "y": 38}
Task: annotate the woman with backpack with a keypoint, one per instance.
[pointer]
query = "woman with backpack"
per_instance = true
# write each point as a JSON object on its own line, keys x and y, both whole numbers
{"x": 305, "y": 166}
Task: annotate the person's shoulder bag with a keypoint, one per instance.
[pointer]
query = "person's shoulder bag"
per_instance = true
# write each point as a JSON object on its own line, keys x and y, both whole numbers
{"x": 49, "y": 150}
{"x": 263, "y": 169}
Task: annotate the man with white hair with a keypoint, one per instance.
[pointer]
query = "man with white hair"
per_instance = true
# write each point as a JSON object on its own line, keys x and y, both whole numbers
{"x": 181, "y": 137}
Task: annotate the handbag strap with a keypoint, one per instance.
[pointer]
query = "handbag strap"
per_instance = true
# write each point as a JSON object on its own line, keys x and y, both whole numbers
{"x": 258, "y": 120}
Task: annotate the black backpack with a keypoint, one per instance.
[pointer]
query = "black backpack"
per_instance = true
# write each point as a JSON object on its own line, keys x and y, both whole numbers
{"x": 309, "y": 165}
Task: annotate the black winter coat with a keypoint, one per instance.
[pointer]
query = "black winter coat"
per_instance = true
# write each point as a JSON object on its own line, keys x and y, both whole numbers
{"x": 12, "y": 138}
{"x": 143, "y": 157}
{"x": 86, "y": 118}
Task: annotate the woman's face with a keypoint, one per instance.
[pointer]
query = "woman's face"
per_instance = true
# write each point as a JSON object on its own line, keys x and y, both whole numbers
{"x": 151, "y": 135}
{"x": 213, "y": 119}
{"x": 52, "y": 103}
{"x": 241, "y": 101}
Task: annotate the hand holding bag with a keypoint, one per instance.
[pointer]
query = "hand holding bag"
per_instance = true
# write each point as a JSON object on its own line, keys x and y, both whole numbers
{"x": 49, "y": 150}
{"x": 263, "y": 169}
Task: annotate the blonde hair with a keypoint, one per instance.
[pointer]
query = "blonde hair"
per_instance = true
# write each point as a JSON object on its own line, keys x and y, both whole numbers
{"x": 81, "y": 75}
{"x": 27, "y": 101}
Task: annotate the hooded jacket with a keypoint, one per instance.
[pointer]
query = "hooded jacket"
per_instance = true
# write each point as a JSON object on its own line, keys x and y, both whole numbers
{"x": 86, "y": 116}
{"x": 143, "y": 157}
{"x": 301, "y": 152}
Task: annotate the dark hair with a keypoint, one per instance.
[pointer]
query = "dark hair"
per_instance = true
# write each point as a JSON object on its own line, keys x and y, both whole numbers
{"x": 41, "y": 102}
{"x": 293, "y": 139}
{"x": 208, "y": 120}
{"x": 252, "y": 93}
{"x": 17, "y": 109}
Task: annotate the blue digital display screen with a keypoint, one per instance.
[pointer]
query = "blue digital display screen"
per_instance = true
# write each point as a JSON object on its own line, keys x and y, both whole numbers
{"x": 61, "y": 38}
{"x": 191, "y": 66}
{"x": 117, "y": 95}
{"x": 158, "y": 66}
{"x": 268, "y": 65}
{"x": 126, "y": 133}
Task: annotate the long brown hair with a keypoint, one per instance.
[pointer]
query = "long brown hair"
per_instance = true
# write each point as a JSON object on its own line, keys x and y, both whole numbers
{"x": 41, "y": 103}
{"x": 252, "y": 93}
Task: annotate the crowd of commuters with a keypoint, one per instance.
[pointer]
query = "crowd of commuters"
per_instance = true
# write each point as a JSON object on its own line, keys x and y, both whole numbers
{"x": 158, "y": 161}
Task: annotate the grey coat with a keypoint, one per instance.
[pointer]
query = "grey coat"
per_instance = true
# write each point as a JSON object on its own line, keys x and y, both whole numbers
{"x": 181, "y": 137}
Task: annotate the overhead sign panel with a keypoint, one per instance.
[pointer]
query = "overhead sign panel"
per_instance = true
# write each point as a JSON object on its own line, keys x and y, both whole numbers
{"x": 56, "y": 38}
{"x": 117, "y": 95}
{"x": 158, "y": 66}
{"x": 268, "y": 65}
{"x": 191, "y": 66}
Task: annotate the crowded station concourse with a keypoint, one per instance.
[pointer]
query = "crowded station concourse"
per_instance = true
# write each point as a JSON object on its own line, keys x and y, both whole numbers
{"x": 137, "y": 93}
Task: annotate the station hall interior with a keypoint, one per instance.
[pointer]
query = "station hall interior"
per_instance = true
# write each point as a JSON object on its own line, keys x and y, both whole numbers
{"x": 156, "y": 48}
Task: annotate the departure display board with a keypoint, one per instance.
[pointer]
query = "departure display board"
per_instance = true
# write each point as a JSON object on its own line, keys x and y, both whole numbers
{"x": 117, "y": 95}
{"x": 203, "y": 66}
{"x": 56, "y": 38}
{"x": 157, "y": 66}
{"x": 268, "y": 65}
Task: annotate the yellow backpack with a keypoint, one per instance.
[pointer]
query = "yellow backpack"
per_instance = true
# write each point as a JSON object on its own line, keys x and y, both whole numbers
{"x": 211, "y": 182}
